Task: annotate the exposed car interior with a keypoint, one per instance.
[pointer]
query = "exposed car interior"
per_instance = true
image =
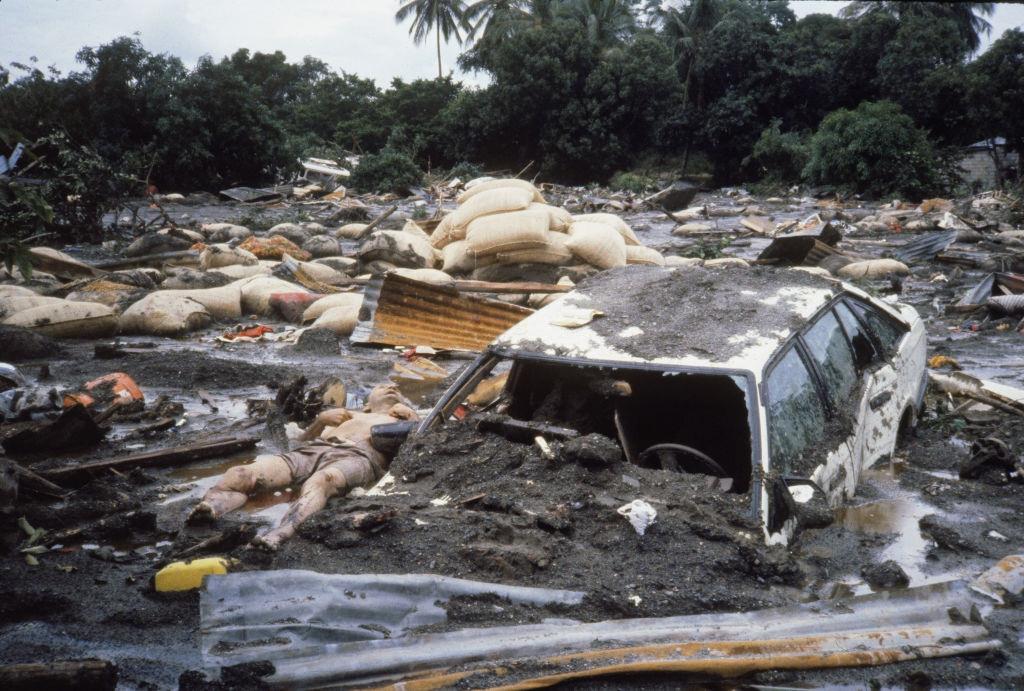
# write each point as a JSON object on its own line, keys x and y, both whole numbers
{"x": 684, "y": 422}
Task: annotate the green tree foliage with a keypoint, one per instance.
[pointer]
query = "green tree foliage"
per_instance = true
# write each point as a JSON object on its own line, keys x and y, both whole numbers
{"x": 777, "y": 156}
{"x": 388, "y": 171}
{"x": 968, "y": 17}
{"x": 998, "y": 86}
{"x": 876, "y": 150}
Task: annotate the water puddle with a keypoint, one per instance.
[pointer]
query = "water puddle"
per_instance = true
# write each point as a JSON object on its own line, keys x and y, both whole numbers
{"x": 896, "y": 515}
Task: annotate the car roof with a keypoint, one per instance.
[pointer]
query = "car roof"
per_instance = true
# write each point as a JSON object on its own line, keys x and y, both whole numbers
{"x": 720, "y": 318}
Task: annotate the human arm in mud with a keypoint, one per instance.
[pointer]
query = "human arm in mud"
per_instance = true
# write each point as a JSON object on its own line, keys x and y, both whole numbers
{"x": 326, "y": 419}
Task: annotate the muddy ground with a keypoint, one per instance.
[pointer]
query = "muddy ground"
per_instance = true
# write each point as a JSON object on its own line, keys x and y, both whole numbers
{"x": 472, "y": 505}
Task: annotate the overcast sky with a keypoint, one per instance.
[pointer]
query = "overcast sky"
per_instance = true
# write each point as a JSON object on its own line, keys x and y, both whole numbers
{"x": 358, "y": 36}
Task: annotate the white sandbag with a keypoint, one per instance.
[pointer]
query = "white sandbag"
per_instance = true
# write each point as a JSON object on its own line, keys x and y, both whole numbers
{"x": 256, "y": 293}
{"x": 217, "y": 256}
{"x": 555, "y": 252}
{"x": 413, "y": 227}
{"x": 445, "y": 233}
{"x": 538, "y": 300}
{"x": 342, "y": 265}
{"x": 492, "y": 201}
{"x": 458, "y": 258}
{"x": 350, "y": 231}
{"x": 559, "y": 219}
{"x": 224, "y": 302}
{"x": 639, "y": 254}
{"x": 873, "y": 268}
{"x": 60, "y": 264}
{"x": 493, "y": 184}
{"x": 68, "y": 320}
{"x": 322, "y": 246}
{"x": 683, "y": 261}
{"x": 341, "y": 320}
{"x": 314, "y": 311}
{"x": 225, "y": 232}
{"x": 9, "y": 291}
{"x": 193, "y": 235}
{"x": 508, "y": 232}
{"x": 432, "y": 276}
{"x": 615, "y": 222}
{"x": 292, "y": 231}
{"x": 14, "y": 303}
{"x": 398, "y": 248}
{"x": 725, "y": 262}
{"x": 597, "y": 244}
{"x": 164, "y": 313}
{"x": 237, "y": 271}
{"x": 319, "y": 272}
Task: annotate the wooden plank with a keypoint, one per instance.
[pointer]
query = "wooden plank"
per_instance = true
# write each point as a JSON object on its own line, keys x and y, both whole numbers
{"x": 177, "y": 455}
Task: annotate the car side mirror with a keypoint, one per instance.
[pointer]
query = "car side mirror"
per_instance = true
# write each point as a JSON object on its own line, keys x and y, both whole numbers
{"x": 388, "y": 439}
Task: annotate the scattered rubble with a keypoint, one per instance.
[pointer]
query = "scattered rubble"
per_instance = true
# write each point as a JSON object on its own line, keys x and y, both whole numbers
{"x": 103, "y": 495}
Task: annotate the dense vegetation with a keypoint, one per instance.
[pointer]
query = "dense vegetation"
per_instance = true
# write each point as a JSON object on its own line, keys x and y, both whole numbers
{"x": 872, "y": 101}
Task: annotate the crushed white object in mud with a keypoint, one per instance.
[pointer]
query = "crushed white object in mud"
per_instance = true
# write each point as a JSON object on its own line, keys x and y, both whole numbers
{"x": 640, "y": 514}
{"x": 441, "y": 501}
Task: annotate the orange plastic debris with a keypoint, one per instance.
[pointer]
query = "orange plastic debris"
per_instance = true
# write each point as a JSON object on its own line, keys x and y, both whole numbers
{"x": 940, "y": 361}
{"x": 275, "y": 247}
{"x": 116, "y": 388}
{"x": 251, "y": 332}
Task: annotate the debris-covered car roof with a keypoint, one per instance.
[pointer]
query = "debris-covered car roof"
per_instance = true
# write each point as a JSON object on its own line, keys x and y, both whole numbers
{"x": 721, "y": 318}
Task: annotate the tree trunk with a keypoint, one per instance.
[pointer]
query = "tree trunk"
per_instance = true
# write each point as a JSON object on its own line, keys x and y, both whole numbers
{"x": 437, "y": 27}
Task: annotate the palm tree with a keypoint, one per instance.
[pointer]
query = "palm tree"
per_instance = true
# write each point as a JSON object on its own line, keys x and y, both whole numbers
{"x": 968, "y": 16}
{"x": 444, "y": 17}
{"x": 687, "y": 30}
{"x": 502, "y": 18}
{"x": 606, "y": 21}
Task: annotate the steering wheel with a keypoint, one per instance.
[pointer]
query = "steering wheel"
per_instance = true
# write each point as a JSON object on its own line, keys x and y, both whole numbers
{"x": 668, "y": 457}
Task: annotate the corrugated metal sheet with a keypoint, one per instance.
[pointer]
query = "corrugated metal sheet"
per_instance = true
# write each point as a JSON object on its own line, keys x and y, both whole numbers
{"x": 366, "y": 636}
{"x": 993, "y": 284}
{"x": 925, "y": 246}
{"x": 797, "y": 249}
{"x": 399, "y": 311}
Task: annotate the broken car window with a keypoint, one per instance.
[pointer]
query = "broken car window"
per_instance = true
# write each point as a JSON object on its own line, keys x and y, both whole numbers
{"x": 863, "y": 349}
{"x": 830, "y": 351}
{"x": 796, "y": 417}
{"x": 887, "y": 333}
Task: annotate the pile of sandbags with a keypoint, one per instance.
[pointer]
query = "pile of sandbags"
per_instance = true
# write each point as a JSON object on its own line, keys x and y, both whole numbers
{"x": 508, "y": 222}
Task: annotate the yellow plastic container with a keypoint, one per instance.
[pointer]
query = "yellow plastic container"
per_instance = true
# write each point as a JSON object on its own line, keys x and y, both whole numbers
{"x": 188, "y": 575}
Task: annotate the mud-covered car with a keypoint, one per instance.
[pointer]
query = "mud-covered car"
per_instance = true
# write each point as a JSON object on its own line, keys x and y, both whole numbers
{"x": 776, "y": 383}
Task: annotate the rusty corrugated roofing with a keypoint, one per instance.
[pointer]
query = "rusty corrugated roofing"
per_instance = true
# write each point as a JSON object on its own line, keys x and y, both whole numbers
{"x": 402, "y": 312}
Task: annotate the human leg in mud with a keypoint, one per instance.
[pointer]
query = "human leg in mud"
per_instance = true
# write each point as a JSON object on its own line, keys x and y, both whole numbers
{"x": 266, "y": 472}
{"x": 350, "y": 469}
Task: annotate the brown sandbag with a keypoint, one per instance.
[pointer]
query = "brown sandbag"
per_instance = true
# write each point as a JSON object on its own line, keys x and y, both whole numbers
{"x": 68, "y": 320}
{"x": 555, "y": 252}
{"x": 491, "y": 201}
{"x": 508, "y": 232}
{"x": 597, "y": 244}
{"x": 620, "y": 226}
{"x": 500, "y": 183}
{"x": 639, "y": 254}
{"x": 217, "y": 256}
{"x": 224, "y": 302}
{"x": 256, "y": 293}
{"x": 327, "y": 302}
{"x": 164, "y": 313}
{"x": 341, "y": 320}
{"x": 11, "y": 305}
{"x": 398, "y": 248}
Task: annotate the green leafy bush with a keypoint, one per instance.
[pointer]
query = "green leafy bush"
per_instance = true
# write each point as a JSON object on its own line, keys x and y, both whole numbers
{"x": 875, "y": 150}
{"x": 388, "y": 171}
{"x": 632, "y": 181}
{"x": 778, "y": 156}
